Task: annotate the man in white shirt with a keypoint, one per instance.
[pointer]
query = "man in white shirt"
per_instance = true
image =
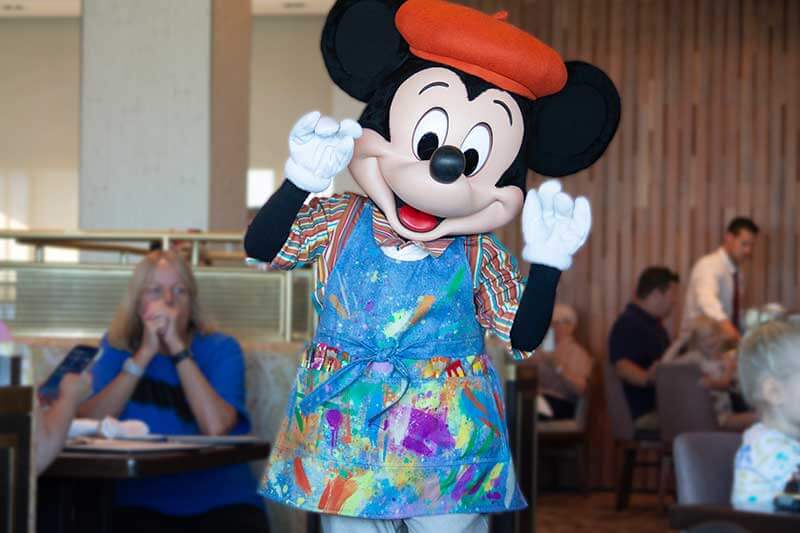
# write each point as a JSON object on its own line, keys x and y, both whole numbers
{"x": 715, "y": 285}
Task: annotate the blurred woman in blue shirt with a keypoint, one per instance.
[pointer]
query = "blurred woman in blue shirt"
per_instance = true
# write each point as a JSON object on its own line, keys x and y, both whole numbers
{"x": 162, "y": 363}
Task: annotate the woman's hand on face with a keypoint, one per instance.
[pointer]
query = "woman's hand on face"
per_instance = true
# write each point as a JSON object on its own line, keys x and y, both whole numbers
{"x": 150, "y": 337}
{"x": 155, "y": 324}
{"x": 172, "y": 338}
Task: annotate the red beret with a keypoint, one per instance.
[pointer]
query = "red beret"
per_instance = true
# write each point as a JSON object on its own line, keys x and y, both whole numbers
{"x": 482, "y": 45}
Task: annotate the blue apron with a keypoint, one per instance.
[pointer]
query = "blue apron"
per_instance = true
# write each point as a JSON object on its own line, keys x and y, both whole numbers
{"x": 396, "y": 411}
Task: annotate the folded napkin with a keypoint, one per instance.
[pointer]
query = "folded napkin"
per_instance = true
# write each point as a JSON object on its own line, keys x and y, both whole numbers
{"x": 110, "y": 428}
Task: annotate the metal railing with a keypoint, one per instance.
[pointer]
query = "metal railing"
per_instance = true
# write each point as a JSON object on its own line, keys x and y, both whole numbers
{"x": 119, "y": 242}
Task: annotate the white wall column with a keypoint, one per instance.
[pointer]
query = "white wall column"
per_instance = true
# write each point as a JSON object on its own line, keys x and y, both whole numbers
{"x": 164, "y": 114}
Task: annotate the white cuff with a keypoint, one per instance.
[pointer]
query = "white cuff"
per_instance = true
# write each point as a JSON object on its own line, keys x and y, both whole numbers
{"x": 304, "y": 178}
{"x": 541, "y": 255}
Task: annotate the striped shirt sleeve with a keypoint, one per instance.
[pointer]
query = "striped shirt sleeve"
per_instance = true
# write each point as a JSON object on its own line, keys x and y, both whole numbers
{"x": 498, "y": 288}
{"x": 311, "y": 231}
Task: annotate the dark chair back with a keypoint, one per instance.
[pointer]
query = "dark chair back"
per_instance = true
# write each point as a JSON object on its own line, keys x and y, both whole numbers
{"x": 17, "y": 476}
{"x": 619, "y": 414}
{"x": 704, "y": 467}
{"x": 684, "y": 404}
{"x": 523, "y": 386}
{"x": 577, "y": 425}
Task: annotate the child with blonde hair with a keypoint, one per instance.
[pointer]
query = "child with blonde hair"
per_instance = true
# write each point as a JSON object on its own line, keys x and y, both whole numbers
{"x": 769, "y": 373}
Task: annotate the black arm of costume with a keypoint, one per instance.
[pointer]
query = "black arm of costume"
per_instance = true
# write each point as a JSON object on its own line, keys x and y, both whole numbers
{"x": 535, "y": 308}
{"x": 270, "y": 228}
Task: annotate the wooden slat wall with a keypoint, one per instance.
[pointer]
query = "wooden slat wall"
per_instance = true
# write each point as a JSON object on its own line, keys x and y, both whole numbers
{"x": 710, "y": 129}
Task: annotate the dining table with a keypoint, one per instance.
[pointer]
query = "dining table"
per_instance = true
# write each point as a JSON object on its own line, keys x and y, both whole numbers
{"x": 76, "y": 493}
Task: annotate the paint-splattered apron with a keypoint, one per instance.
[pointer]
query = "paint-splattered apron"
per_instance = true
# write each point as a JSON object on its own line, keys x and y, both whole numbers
{"x": 396, "y": 412}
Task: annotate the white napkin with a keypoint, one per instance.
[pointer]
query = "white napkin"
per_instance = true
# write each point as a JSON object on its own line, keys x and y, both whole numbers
{"x": 110, "y": 428}
{"x": 82, "y": 427}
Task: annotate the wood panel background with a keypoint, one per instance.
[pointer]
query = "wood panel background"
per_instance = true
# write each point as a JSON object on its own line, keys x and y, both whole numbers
{"x": 710, "y": 129}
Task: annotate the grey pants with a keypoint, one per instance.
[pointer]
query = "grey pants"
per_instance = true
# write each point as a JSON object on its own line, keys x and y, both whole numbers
{"x": 446, "y": 523}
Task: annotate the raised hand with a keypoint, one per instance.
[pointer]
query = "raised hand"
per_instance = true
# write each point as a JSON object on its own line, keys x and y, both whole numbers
{"x": 154, "y": 322}
{"x": 554, "y": 226}
{"x": 171, "y": 336}
{"x": 319, "y": 148}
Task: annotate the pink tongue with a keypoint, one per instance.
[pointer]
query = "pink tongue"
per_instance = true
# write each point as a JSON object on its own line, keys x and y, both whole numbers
{"x": 416, "y": 220}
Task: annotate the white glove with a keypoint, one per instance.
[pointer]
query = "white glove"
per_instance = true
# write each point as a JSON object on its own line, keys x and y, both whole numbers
{"x": 553, "y": 226}
{"x": 319, "y": 148}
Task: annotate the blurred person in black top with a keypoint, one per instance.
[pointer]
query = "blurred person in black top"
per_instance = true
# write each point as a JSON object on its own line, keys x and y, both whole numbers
{"x": 638, "y": 339}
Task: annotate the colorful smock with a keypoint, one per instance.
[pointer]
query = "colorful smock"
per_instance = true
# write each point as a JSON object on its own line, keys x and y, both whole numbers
{"x": 764, "y": 464}
{"x": 396, "y": 411}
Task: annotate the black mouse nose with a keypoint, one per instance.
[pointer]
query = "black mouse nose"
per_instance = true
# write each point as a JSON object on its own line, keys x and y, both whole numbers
{"x": 447, "y": 164}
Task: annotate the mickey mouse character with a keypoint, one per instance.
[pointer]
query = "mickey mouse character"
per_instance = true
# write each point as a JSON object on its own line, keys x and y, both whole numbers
{"x": 396, "y": 416}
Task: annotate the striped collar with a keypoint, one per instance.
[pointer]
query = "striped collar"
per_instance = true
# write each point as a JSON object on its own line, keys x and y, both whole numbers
{"x": 386, "y": 236}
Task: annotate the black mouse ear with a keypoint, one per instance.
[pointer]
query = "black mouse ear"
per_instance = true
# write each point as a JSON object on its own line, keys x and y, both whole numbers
{"x": 571, "y": 129}
{"x": 361, "y": 45}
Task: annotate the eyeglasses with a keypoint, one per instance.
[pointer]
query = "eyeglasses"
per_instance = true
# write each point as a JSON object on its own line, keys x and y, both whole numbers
{"x": 156, "y": 292}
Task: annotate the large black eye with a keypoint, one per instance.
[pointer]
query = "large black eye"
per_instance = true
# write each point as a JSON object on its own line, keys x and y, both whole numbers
{"x": 430, "y": 133}
{"x": 427, "y": 145}
{"x": 476, "y": 148}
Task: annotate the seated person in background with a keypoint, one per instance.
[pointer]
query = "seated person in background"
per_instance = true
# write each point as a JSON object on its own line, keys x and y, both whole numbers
{"x": 163, "y": 364}
{"x": 54, "y": 418}
{"x": 638, "y": 340}
{"x": 769, "y": 372}
{"x": 704, "y": 344}
{"x": 564, "y": 372}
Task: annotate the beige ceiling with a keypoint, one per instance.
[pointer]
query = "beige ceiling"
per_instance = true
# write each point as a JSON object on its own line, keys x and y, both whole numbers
{"x": 72, "y": 8}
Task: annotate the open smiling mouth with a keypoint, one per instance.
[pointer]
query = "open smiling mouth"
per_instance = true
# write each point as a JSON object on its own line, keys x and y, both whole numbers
{"x": 414, "y": 219}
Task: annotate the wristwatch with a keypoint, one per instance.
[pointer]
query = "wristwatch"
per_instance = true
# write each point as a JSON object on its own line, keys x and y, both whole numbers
{"x": 180, "y": 356}
{"x": 132, "y": 368}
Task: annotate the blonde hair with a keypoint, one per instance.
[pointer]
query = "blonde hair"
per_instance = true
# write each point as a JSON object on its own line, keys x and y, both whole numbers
{"x": 126, "y": 328}
{"x": 703, "y": 327}
{"x": 770, "y": 350}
